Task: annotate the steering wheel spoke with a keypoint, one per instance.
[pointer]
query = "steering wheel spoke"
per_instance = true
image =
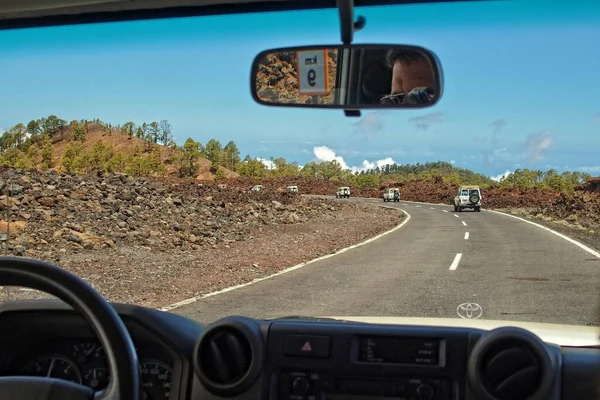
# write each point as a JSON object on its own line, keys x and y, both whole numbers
{"x": 33, "y": 387}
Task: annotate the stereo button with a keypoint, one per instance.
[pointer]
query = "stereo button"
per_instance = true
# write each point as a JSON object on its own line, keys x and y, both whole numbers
{"x": 307, "y": 345}
{"x": 300, "y": 386}
{"x": 425, "y": 392}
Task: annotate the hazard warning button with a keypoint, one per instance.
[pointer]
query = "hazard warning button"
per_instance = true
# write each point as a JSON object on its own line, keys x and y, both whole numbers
{"x": 307, "y": 346}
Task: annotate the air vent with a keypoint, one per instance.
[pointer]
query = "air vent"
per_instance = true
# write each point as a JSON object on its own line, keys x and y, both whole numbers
{"x": 511, "y": 371}
{"x": 227, "y": 357}
{"x": 510, "y": 364}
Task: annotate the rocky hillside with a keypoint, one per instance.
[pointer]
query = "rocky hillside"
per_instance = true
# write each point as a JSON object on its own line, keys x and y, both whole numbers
{"x": 277, "y": 79}
{"x": 54, "y": 214}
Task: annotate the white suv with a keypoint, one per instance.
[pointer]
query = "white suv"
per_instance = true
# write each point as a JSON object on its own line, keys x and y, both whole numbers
{"x": 392, "y": 194}
{"x": 468, "y": 196}
{"x": 343, "y": 191}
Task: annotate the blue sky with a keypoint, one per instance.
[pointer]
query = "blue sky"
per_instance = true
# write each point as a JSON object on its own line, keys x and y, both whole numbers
{"x": 521, "y": 83}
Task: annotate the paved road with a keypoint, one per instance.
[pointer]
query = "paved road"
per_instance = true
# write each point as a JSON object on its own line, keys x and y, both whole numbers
{"x": 514, "y": 270}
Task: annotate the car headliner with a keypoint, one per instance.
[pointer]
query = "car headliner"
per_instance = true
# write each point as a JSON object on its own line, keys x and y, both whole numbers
{"x": 33, "y": 13}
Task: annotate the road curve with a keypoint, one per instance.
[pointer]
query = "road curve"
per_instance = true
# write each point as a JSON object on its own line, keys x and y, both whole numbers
{"x": 427, "y": 268}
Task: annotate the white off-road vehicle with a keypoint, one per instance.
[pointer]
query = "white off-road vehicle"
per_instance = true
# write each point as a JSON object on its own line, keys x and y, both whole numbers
{"x": 468, "y": 196}
{"x": 343, "y": 191}
{"x": 256, "y": 188}
{"x": 292, "y": 189}
{"x": 392, "y": 194}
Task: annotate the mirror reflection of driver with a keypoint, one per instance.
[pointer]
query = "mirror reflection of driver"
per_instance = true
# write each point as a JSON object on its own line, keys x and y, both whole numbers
{"x": 413, "y": 80}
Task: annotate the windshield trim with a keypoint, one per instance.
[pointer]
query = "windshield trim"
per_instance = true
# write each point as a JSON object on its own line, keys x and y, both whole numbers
{"x": 54, "y": 13}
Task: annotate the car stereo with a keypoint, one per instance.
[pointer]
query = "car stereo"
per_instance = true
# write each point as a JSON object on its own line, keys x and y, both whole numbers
{"x": 398, "y": 350}
{"x": 311, "y": 386}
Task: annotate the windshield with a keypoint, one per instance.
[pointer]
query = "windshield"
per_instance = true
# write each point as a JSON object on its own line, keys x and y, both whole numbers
{"x": 131, "y": 153}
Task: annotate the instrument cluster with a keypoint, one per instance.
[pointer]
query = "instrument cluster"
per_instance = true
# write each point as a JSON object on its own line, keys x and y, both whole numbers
{"x": 83, "y": 361}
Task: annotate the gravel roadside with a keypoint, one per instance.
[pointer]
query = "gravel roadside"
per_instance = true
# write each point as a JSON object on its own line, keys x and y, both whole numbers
{"x": 135, "y": 274}
{"x": 589, "y": 237}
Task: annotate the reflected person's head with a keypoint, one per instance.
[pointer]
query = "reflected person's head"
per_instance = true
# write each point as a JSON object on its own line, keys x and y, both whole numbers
{"x": 410, "y": 69}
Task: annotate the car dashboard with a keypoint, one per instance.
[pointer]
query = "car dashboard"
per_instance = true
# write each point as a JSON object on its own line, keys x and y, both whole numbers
{"x": 296, "y": 358}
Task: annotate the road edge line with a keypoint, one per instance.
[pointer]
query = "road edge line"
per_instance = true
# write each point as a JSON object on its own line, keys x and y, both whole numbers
{"x": 565, "y": 237}
{"x": 292, "y": 268}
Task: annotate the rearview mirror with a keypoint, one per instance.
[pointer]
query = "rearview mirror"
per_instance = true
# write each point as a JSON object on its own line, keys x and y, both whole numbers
{"x": 347, "y": 77}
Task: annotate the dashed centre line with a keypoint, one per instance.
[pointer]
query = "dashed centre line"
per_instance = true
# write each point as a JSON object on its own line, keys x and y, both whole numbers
{"x": 464, "y": 223}
{"x": 454, "y": 264}
{"x": 418, "y": 206}
{"x": 432, "y": 208}
{"x": 466, "y": 235}
{"x": 456, "y": 215}
{"x": 445, "y": 210}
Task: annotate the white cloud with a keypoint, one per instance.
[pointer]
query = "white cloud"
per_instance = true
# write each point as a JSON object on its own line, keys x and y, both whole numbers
{"x": 590, "y": 170}
{"x": 325, "y": 154}
{"x": 423, "y": 122}
{"x": 370, "y": 123}
{"x": 373, "y": 164}
{"x": 537, "y": 144}
{"x": 452, "y": 162}
{"x": 498, "y": 178}
{"x": 268, "y": 163}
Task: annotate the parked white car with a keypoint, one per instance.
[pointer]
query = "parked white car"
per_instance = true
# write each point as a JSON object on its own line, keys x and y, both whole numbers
{"x": 392, "y": 194}
{"x": 343, "y": 191}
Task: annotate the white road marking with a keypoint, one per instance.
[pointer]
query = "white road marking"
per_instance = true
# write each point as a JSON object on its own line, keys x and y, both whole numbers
{"x": 445, "y": 210}
{"x": 432, "y": 208}
{"x": 568, "y": 239}
{"x": 466, "y": 235}
{"x": 464, "y": 223}
{"x": 418, "y": 206}
{"x": 454, "y": 264}
{"x": 295, "y": 267}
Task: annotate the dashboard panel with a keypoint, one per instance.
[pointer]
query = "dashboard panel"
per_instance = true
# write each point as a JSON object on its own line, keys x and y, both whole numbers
{"x": 320, "y": 359}
{"x": 299, "y": 358}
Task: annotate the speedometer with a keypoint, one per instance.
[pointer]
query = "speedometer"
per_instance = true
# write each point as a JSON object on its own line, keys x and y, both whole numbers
{"x": 156, "y": 380}
{"x": 52, "y": 366}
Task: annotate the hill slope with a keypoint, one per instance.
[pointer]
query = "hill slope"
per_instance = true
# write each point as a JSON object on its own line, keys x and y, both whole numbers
{"x": 86, "y": 146}
{"x": 122, "y": 144}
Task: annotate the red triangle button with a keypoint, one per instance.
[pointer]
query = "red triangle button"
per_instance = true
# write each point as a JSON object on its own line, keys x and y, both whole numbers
{"x": 306, "y": 346}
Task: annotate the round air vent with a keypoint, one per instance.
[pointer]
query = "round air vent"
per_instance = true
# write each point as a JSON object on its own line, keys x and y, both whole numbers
{"x": 228, "y": 356}
{"x": 510, "y": 364}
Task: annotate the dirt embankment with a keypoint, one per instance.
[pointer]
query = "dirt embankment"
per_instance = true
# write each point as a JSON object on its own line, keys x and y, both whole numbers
{"x": 158, "y": 241}
{"x": 435, "y": 191}
{"x": 579, "y": 210}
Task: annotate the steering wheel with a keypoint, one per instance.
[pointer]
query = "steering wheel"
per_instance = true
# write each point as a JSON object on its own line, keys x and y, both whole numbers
{"x": 122, "y": 359}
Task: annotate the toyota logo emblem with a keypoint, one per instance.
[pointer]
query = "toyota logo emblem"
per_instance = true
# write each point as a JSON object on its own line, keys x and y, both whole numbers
{"x": 469, "y": 311}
